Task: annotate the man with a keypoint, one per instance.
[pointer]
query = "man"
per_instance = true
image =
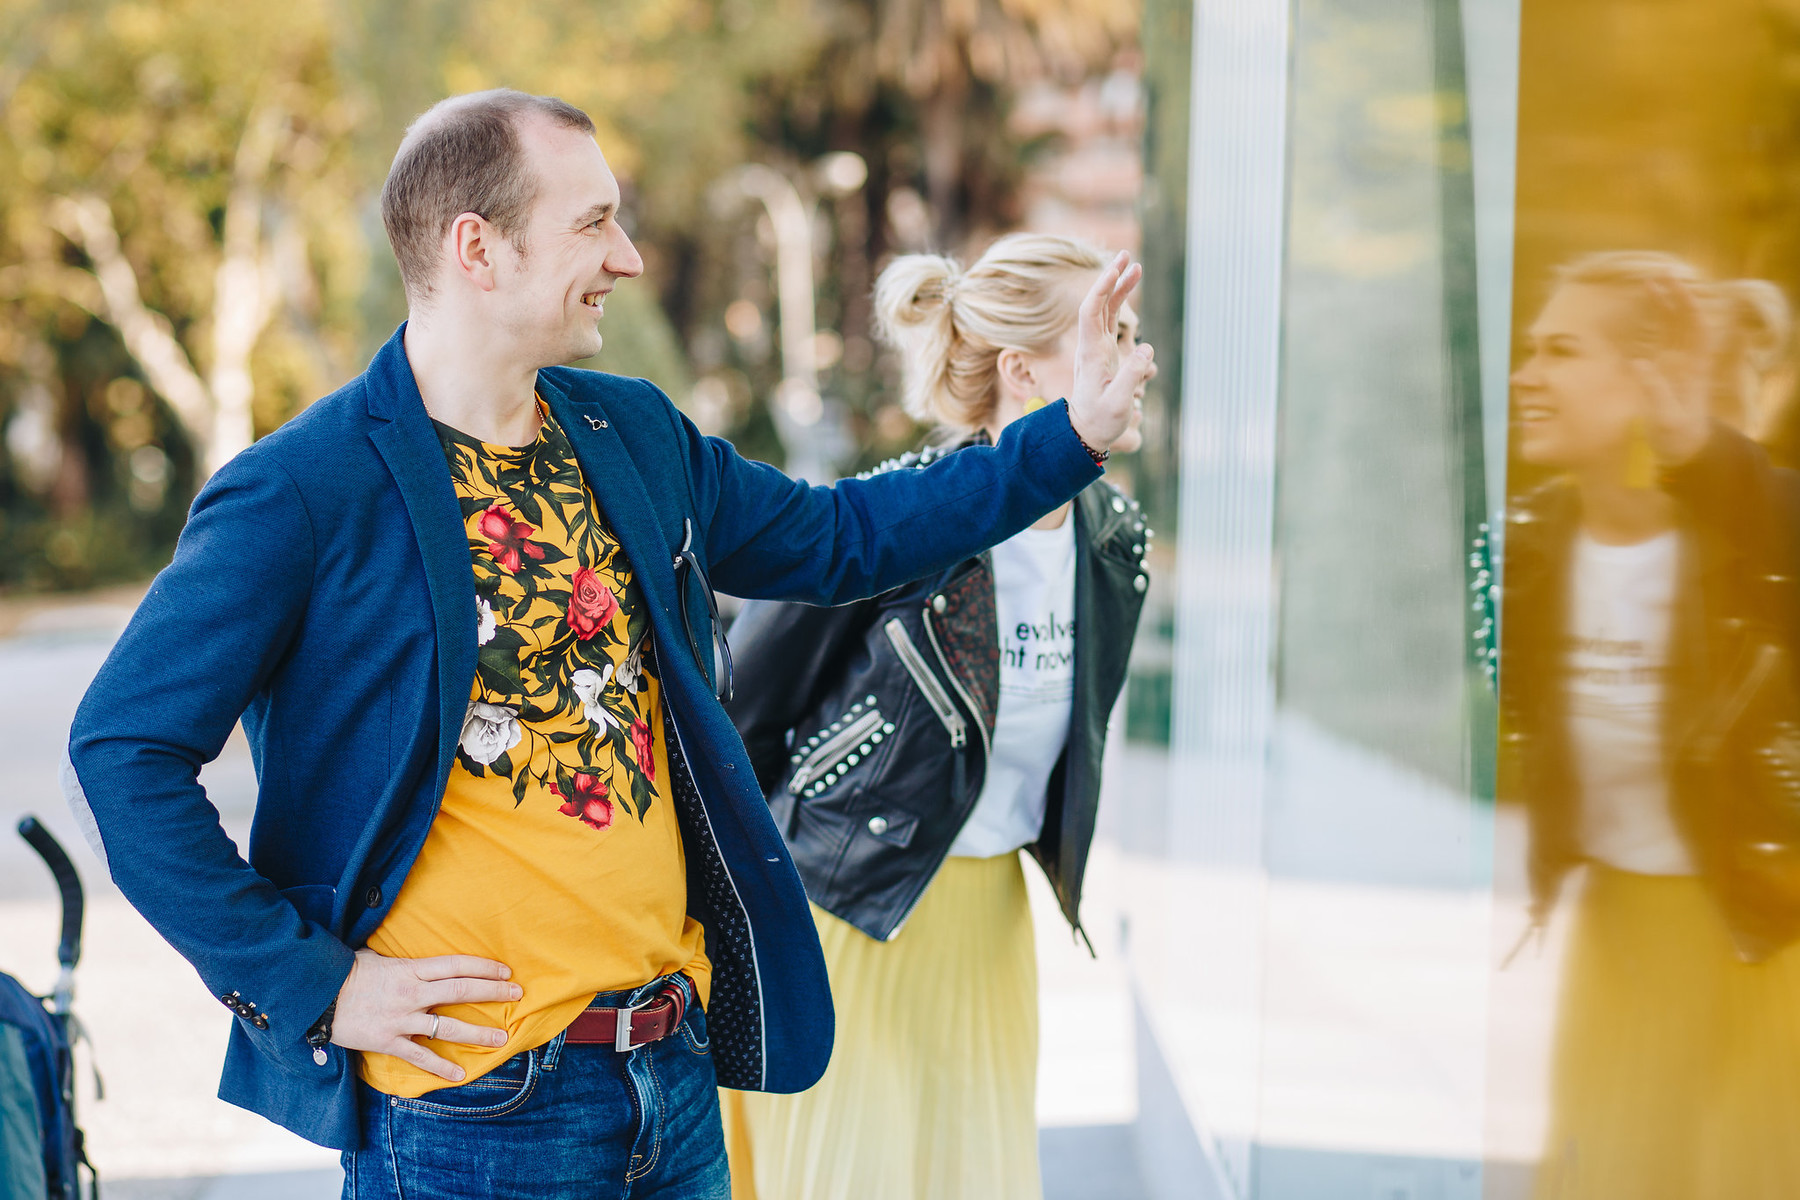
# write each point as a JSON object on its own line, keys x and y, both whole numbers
{"x": 513, "y": 902}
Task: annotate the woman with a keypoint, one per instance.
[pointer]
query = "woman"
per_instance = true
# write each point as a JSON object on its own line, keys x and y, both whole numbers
{"x": 912, "y": 744}
{"x": 1647, "y": 682}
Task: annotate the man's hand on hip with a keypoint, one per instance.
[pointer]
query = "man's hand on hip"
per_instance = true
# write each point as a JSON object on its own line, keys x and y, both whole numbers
{"x": 1106, "y": 385}
{"x": 385, "y": 1003}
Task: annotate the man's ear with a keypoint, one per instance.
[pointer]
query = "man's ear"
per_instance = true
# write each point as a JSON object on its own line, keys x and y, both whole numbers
{"x": 470, "y": 239}
{"x": 1017, "y": 377}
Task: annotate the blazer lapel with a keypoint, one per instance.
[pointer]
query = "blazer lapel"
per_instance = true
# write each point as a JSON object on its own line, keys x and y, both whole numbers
{"x": 618, "y": 488}
{"x": 410, "y": 447}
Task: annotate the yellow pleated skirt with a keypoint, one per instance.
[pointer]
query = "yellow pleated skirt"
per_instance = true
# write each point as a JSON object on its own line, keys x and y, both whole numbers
{"x": 1677, "y": 1064}
{"x": 931, "y": 1092}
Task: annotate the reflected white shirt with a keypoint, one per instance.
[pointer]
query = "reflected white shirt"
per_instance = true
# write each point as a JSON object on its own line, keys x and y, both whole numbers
{"x": 1621, "y": 614}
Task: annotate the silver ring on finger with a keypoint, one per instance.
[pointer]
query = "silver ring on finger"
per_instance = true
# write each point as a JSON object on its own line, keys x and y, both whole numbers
{"x": 435, "y": 1019}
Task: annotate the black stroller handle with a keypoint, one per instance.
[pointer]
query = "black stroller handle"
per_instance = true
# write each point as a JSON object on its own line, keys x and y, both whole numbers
{"x": 67, "y": 882}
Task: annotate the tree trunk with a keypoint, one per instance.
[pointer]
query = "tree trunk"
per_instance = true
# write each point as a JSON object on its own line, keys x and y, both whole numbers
{"x": 88, "y": 222}
{"x": 243, "y": 293}
{"x": 215, "y": 411}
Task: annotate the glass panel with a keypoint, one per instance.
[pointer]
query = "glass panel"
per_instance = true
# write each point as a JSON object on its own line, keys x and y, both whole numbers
{"x": 1374, "y": 840}
{"x": 1479, "y": 292}
{"x": 1648, "y": 850}
{"x": 1310, "y": 902}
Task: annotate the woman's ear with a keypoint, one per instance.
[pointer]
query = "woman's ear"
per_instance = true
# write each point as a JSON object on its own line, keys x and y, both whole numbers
{"x": 1017, "y": 378}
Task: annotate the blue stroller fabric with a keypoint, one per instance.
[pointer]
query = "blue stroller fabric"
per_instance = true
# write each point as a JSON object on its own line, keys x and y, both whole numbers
{"x": 39, "y": 1145}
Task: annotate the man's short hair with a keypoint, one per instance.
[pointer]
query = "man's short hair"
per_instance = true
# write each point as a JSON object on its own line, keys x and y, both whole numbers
{"x": 463, "y": 155}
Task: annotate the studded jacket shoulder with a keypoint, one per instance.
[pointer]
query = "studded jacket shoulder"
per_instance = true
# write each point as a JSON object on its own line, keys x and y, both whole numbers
{"x": 869, "y": 724}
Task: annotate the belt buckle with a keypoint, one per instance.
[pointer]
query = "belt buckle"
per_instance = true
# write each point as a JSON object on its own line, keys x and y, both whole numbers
{"x": 622, "y": 1028}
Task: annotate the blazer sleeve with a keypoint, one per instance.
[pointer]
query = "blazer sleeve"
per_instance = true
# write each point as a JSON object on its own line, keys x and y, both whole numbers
{"x": 771, "y": 537}
{"x": 207, "y": 637}
{"x": 792, "y": 653}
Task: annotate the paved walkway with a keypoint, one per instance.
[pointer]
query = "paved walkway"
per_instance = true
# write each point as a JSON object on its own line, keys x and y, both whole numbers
{"x": 160, "y": 1134}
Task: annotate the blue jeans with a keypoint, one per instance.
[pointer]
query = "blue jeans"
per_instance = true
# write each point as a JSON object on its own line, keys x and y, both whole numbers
{"x": 559, "y": 1122}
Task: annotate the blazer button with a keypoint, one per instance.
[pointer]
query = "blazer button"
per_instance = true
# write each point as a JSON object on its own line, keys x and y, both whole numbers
{"x": 1140, "y": 583}
{"x": 374, "y": 896}
{"x": 939, "y": 604}
{"x": 1118, "y": 504}
{"x": 878, "y": 825}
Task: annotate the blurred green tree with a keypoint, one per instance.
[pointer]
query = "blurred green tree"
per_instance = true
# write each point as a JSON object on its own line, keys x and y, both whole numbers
{"x": 175, "y": 173}
{"x": 921, "y": 90}
{"x": 190, "y": 250}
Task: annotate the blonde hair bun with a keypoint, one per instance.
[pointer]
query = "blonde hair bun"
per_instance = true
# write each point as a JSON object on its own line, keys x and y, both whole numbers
{"x": 950, "y": 324}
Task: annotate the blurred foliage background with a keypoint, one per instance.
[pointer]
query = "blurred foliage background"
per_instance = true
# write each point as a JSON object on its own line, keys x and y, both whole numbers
{"x": 190, "y": 250}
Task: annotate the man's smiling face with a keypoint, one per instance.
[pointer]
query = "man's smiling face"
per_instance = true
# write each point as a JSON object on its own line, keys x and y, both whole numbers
{"x": 554, "y": 293}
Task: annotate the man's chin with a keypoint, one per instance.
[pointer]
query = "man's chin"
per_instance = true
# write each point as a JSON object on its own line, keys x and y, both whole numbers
{"x": 582, "y": 347}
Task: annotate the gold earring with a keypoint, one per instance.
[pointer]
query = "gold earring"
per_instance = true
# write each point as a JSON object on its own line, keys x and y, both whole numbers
{"x": 1640, "y": 457}
{"x": 1035, "y": 403}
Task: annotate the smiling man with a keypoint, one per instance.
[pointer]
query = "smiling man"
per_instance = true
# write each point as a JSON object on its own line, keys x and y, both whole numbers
{"x": 513, "y": 905}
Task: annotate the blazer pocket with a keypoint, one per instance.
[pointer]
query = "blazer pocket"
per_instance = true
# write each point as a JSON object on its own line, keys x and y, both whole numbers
{"x": 313, "y": 901}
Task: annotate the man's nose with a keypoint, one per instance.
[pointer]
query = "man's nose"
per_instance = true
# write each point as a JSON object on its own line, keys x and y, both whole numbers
{"x": 624, "y": 260}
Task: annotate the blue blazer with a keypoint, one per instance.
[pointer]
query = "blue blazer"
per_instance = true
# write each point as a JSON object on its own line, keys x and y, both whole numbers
{"x": 322, "y": 592}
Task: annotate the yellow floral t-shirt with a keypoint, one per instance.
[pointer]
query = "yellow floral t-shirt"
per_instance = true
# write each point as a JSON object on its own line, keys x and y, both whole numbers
{"x": 556, "y": 850}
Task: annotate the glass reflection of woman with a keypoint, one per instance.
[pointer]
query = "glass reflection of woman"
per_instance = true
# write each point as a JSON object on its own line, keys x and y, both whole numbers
{"x": 1639, "y": 584}
{"x": 912, "y": 744}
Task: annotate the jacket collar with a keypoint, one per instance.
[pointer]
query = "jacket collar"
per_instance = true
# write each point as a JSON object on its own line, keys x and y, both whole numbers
{"x": 616, "y": 485}
{"x": 391, "y": 390}
{"x": 410, "y": 447}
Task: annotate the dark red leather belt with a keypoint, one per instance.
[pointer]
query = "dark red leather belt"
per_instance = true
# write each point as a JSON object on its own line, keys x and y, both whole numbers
{"x": 628, "y": 1028}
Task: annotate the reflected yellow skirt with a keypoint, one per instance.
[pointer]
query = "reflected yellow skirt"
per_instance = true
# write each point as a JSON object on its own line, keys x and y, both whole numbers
{"x": 1677, "y": 1069}
{"x": 931, "y": 1093}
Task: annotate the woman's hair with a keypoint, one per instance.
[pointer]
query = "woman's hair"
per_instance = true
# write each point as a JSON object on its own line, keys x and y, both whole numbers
{"x": 950, "y": 324}
{"x": 1745, "y": 322}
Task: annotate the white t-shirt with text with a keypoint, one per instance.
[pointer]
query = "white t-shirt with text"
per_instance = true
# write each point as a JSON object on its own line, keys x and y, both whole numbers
{"x": 1034, "y": 595}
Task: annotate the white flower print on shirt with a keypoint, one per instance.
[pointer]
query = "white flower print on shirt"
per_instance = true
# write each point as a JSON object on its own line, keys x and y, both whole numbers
{"x": 589, "y": 686}
{"x": 490, "y": 730}
{"x": 631, "y": 671}
{"x": 486, "y": 623}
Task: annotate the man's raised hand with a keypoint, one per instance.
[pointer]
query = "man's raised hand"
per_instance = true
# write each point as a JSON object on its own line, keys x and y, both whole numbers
{"x": 1105, "y": 385}
{"x": 385, "y": 1003}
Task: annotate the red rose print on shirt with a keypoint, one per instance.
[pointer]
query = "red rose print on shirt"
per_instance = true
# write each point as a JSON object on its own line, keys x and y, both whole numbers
{"x": 591, "y": 604}
{"x": 640, "y": 737}
{"x": 507, "y": 537}
{"x": 589, "y": 802}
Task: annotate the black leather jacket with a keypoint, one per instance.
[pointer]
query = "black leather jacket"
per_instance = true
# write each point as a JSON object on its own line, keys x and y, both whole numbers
{"x": 1737, "y": 519}
{"x": 869, "y": 724}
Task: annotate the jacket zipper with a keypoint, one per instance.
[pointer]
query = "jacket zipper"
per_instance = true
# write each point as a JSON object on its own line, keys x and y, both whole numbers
{"x": 915, "y": 665}
{"x": 987, "y": 749}
{"x": 821, "y": 760}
